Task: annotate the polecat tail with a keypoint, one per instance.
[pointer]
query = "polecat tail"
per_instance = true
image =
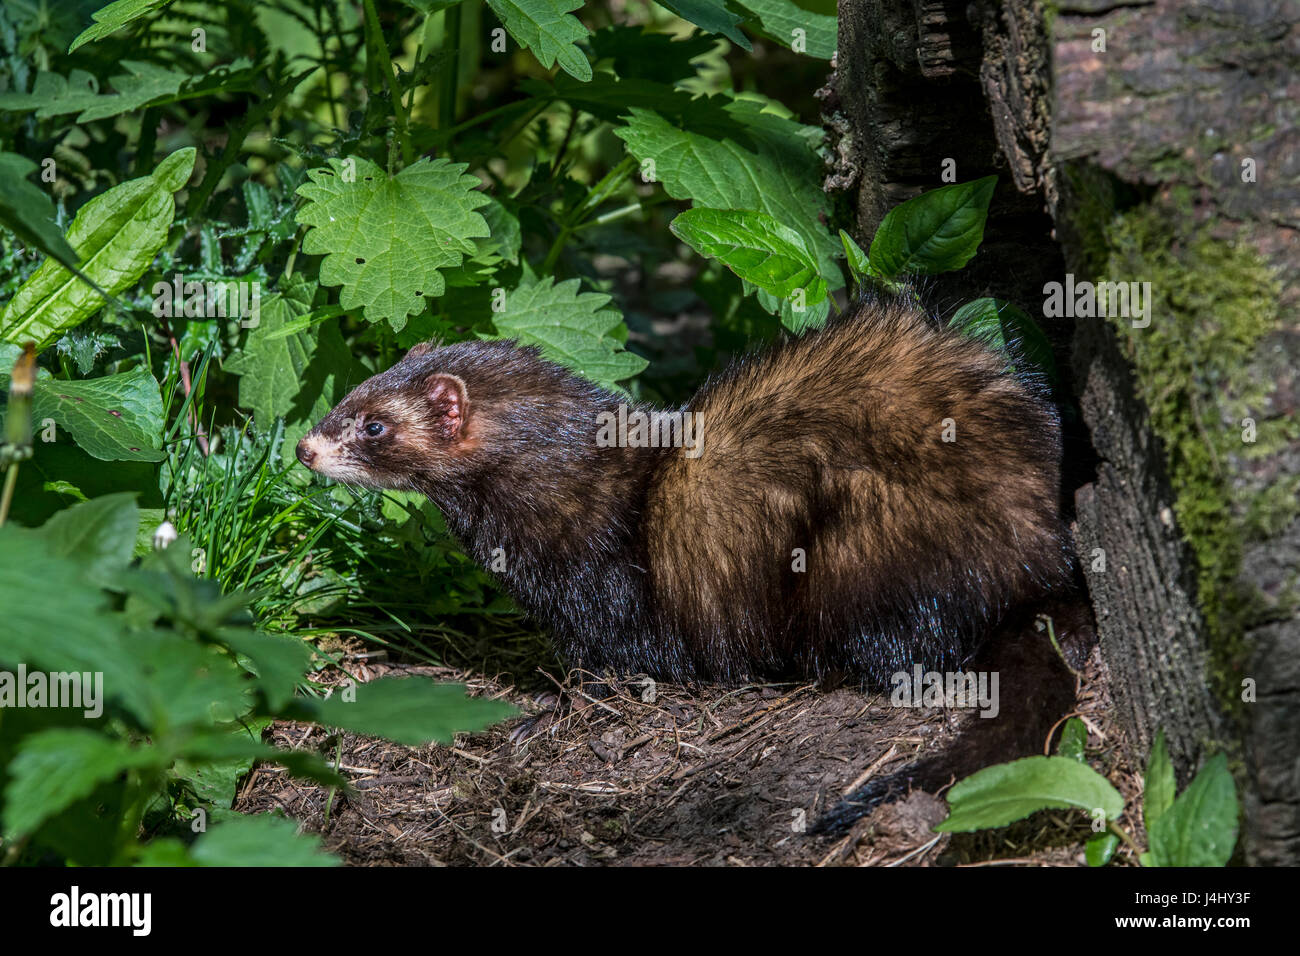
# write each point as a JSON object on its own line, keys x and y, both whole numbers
{"x": 1036, "y": 688}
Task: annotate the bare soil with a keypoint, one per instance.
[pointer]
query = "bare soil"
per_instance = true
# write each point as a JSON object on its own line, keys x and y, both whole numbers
{"x": 625, "y": 773}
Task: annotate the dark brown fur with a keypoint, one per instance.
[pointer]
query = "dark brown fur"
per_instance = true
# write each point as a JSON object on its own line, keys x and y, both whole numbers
{"x": 646, "y": 560}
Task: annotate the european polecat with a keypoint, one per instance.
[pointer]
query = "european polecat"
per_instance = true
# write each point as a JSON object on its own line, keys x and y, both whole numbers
{"x": 869, "y": 496}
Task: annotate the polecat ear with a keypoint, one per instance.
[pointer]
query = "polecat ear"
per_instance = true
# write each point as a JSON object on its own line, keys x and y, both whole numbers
{"x": 448, "y": 404}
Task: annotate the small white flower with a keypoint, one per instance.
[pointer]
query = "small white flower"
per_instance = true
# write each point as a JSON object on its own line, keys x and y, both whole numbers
{"x": 163, "y": 535}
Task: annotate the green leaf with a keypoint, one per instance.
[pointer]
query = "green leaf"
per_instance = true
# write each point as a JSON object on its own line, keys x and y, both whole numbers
{"x": 546, "y": 28}
{"x": 262, "y": 840}
{"x": 1100, "y": 848}
{"x": 570, "y": 327}
{"x": 758, "y": 160}
{"x": 99, "y": 534}
{"x": 711, "y": 16}
{"x": 1004, "y": 793}
{"x": 1007, "y": 328}
{"x": 279, "y": 661}
{"x": 114, "y": 17}
{"x": 780, "y": 19}
{"x": 659, "y": 57}
{"x": 1074, "y": 740}
{"x": 116, "y": 235}
{"x": 386, "y": 240}
{"x": 56, "y": 768}
{"x": 1158, "y": 791}
{"x": 756, "y": 247}
{"x": 27, "y": 212}
{"x": 859, "y": 265}
{"x": 1200, "y": 829}
{"x": 938, "y": 231}
{"x": 114, "y": 418}
{"x": 407, "y": 710}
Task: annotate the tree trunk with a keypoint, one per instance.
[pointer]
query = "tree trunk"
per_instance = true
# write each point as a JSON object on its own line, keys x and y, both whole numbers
{"x": 1138, "y": 142}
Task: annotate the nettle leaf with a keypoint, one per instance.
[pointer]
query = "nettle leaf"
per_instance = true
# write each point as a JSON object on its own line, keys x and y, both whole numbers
{"x": 98, "y": 534}
{"x": 1004, "y": 793}
{"x": 407, "y": 710}
{"x": 1200, "y": 829}
{"x": 384, "y": 239}
{"x": 756, "y": 247}
{"x": 570, "y": 327}
{"x": 938, "y": 231}
{"x": 770, "y": 167}
{"x": 547, "y": 28}
{"x": 1158, "y": 790}
{"x": 780, "y": 20}
{"x": 116, "y": 236}
{"x": 56, "y": 768}
{"x": 1007, "y": 328}
{"x": 27, "y": 211}
{"x": 261, "y": 840}
{"x": 711, "y": 16}
{"x": 114, "y": 17}
{"x": 271, "y": 367}
{"x": 145, "y": 84}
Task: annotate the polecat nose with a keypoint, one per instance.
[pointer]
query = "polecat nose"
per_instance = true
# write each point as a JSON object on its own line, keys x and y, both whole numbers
{"x": 306, "y": 454}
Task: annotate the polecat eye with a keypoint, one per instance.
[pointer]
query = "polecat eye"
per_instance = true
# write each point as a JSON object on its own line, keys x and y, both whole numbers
{"x": 374, "y": 428}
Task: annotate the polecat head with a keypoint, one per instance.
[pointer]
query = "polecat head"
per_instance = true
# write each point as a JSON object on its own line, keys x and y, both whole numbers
{"x": 409, "y": 423}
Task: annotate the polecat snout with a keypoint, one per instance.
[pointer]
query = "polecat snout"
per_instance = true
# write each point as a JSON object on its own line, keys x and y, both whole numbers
{"x": 860, "y": 499}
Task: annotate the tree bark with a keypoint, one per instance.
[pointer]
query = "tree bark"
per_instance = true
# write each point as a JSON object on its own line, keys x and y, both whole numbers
{"x": 1108, "y": 121}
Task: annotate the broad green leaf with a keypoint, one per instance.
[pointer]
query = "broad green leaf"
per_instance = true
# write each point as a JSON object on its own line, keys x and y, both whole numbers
{"x": 1004, "y": 793}
{"x": 386, "y": 240}
{"x": 711, "y": 16}
{"x": 770, "y": 166}
{"x": 116, "y": 236}
{"x": 56, "y": 768}
{"x": 1074, "y": 740}
{"x": 547, "y": 28}
{"x": 1100, "y": 848}
{"x": 262, "y": 840}
{"x": 271, "y": 366}
{"x": 99, "y": 534}
{"x": 407, "y": 710}
{"x": 938, "y": 231}
{"x": 27, "y": 212}
{"x": 570, "y": 327}
{"x": 114, "y": 418}
{"x": 756, "y": 247}
{"x": 794, "y": 27}
{"x": 1007, "y": 328}
{"x": 1200, "y": 829}
{"x": 1158, "y": 790}
{"x": 114, "y": 17}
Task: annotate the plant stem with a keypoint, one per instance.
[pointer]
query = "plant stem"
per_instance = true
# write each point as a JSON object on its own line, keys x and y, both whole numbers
{"x": 1114, "y": 828}
{"x": 11, "y": 479}
{"x": 390, "y": 81}
{"x": 450, "y": 80}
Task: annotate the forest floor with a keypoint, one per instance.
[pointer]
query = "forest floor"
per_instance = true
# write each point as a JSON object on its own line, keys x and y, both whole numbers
{"x": 700, "y": 775}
